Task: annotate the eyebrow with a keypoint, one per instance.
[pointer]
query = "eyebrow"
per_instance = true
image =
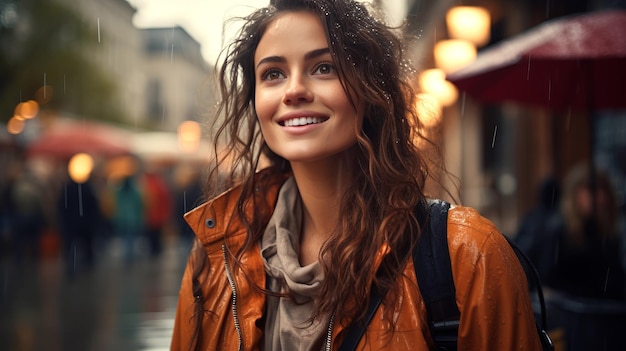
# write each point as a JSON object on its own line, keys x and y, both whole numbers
{"x": 309, "y": 55}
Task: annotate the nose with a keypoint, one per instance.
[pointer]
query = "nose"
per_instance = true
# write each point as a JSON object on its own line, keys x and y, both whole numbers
{"x": 297, "y": 91}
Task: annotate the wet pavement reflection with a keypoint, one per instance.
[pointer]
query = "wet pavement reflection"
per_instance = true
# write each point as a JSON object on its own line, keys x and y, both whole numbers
{"x": 111, "y": 306}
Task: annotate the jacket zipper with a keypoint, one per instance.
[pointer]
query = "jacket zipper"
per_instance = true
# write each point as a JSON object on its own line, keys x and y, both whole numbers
{"x": 329, "y": 334}
{"x": 231, "y": 281}
{"x": 233, "y": 287}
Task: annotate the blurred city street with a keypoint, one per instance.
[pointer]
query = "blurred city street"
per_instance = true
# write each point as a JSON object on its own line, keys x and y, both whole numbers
{"x": 111, "y": 306}
{"x": 107, "y": 138}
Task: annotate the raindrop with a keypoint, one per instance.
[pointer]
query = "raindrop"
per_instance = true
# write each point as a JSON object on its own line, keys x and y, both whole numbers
{"x": 493, "y": 140}
{"x": 172, "y": 45}
{"x": 44, "y": 85}
{"x": 549, "y": 89}
{"x": 528, "y": 69}
{"x": 98, "y": 20}
{"x": 163, "y": 115}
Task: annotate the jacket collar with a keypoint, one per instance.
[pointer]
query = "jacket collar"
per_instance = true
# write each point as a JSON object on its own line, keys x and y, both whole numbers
{"x": 216, "y": 218}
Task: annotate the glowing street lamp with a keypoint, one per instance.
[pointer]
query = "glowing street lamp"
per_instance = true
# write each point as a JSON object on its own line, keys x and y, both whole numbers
{"x": 471, "y": 23}
{"x": 80, "y": 167}
{"x": 433, "y": 82}
{"x": 189, "y": 136}
{"x": 453, "y": 54}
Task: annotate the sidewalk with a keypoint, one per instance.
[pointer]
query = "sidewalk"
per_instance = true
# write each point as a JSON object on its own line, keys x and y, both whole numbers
{"x": 112, "y": 306}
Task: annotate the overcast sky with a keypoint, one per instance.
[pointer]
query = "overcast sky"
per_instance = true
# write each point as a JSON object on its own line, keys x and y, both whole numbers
{"x": 202, "y": 19}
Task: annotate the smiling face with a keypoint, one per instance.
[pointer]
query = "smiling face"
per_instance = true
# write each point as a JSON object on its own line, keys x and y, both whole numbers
{"x": 303, "y": 110}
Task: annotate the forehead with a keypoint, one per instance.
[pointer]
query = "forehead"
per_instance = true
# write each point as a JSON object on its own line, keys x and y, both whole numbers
{"x": 290, "y": 30}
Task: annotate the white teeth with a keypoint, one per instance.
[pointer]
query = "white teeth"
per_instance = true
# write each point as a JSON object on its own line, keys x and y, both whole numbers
{"x": 302, "y": 121}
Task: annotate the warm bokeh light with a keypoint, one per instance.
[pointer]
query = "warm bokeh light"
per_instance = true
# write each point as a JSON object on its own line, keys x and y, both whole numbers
{"x": 122, "y": 167}
{"x": 44, "y": 94}
{"x": 80, "y": 167}
{"x": 471, "y": 23}
{"x": 433, "y": 82}
{"x": 28, "y": 109}
{"x": 189, "y": 133}
{"x": 15, "y": 125}
{"x": 428, "y": 110}
{"x": 453, "y": 54}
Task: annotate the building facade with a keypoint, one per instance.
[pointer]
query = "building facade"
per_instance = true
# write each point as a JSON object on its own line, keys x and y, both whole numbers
{"x": 160, "y": 75}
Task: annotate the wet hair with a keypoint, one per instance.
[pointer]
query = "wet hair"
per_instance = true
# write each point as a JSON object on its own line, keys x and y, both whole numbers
{"x": 389, "y": 170}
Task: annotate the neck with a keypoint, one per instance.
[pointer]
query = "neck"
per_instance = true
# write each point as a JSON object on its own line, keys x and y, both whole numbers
{"x": 321, "y": 186}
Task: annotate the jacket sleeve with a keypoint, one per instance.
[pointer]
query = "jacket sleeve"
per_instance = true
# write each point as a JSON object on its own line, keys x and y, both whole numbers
{"x": 491, "y": 287}
{"x": 182, "y": 333}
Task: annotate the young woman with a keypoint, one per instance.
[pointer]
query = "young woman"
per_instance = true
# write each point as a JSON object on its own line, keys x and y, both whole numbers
{"x": 286, "y": 258}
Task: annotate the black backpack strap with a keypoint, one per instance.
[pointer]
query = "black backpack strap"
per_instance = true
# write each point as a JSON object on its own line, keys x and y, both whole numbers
{"x": 432, "y": 263}
{"x": 433, "y": 269}
{"x": 356, "y": 330}
{"x": 533, "y": 276}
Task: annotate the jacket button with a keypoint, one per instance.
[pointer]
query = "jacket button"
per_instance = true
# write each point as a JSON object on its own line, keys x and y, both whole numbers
{"x": 210, "y": 223}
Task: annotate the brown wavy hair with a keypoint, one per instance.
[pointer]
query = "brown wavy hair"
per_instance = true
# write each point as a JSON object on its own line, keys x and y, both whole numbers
{"x": 378, "y": 207}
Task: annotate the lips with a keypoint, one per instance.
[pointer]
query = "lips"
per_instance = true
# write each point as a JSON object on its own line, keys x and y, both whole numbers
{"x": 302, "y": 121}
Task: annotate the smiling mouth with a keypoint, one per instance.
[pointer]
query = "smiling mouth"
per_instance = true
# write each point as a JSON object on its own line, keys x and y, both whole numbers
{"x": 302, "y": 121}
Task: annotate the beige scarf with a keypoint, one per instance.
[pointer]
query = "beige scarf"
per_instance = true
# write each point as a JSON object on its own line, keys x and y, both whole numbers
{"x": 287, "y": 325}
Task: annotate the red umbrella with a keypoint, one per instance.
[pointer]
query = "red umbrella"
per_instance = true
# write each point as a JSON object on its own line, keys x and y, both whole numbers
{"x": 577, "y": 61}
{"x": 65, "y": 140}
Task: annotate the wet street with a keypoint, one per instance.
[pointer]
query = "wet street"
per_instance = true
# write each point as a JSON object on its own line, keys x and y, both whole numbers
{"x": 112, "y": 306}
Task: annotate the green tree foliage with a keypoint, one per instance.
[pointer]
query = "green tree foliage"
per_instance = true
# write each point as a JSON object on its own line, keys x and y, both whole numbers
{"x": 45, "y": 43}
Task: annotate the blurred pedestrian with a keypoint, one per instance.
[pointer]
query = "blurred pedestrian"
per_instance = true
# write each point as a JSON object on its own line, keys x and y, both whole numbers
{"x": 27, "y": 214}
{"x": 189, "y": 194}
{"x": 128, "y": 217}
{"x": 78, "y": 211}
{"x": 158, "y": 209}
{"x": 584, "y": 247}
{"x": 6, "y": 208}
{"x": 539, "y": 223}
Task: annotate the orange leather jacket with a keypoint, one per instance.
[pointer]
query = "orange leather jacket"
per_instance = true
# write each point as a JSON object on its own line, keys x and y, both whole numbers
{"x": 491, "y": 289}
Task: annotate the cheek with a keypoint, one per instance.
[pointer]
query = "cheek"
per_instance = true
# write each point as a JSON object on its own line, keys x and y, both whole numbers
{"x": 263, "y": 107}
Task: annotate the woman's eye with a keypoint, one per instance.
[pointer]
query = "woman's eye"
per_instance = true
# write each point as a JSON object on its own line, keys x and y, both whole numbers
{"x": 324, "y": 68}
{"x": 272, "y": 75}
